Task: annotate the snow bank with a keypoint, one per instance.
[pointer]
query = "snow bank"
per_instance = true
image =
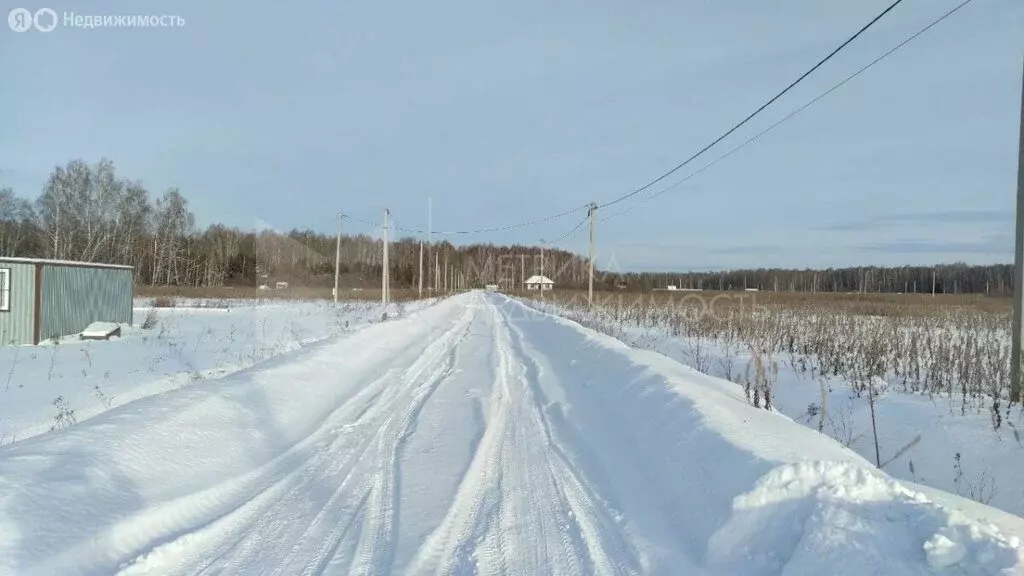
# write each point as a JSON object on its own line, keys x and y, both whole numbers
{"x": 812, "y": 514}
{"x": 756, "y": 493}
{"x": 920, "y": 436}
{"x": 58, "y": 384}
{"x": 129, "y": 487}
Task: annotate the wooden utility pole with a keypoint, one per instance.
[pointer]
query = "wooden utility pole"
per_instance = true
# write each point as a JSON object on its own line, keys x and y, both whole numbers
{"x": 522, "y": 271}
{"x": 337, "y": 258}
{"x": 542, "y": 258}
{"x": 590, "y": 287}
{"x": 384, "y": 264}
{"x": 430, "y": 231}
{"x": 421, "y": 269}
{"x": 542, "y": 268}
{"x": 933, "y": 282}
{"x": 437, "y": 271}
{"x": 1018, "y": 270}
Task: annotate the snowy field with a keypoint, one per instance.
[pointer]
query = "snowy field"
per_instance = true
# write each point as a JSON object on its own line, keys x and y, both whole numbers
{"x": 929, "y": 439}
{"x": 57, "y": 384}
{"x": 473, "y": 436}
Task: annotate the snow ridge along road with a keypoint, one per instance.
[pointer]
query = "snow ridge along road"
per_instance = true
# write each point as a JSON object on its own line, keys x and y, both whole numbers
{"x": 477, "y": 436}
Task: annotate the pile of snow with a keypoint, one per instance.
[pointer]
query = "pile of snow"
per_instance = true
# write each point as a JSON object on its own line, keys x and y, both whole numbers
{"x": 811, "y": 514}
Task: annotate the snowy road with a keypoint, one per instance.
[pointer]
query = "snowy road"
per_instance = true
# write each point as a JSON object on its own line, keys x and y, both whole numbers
{"x": 472, "y": 437}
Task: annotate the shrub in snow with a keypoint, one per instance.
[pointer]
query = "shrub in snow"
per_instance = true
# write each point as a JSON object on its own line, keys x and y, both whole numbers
{"x": 983, "y": 489}
{"x": 151, "y": 320}
{"x": 164, "y": 302}
{"x": 65, "y": 417}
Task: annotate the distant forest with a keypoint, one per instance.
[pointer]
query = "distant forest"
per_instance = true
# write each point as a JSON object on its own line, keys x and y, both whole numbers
{"x": 86, "y": 212}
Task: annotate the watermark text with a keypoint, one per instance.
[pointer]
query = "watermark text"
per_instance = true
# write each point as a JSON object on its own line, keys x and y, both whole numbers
{"x": 47, "y": 20}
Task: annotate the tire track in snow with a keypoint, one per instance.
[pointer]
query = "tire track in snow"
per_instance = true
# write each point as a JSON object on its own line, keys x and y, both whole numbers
{"x": 372, "y": 557}
{"x": 490, "y": 527}
{"x": 356, "y": 448}
{"x": 596, "y": 522}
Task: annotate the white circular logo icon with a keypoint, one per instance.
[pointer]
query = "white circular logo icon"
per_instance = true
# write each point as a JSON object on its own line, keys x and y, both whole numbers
{"x": 45, "y": 20}
{"x": 20, "y": 19}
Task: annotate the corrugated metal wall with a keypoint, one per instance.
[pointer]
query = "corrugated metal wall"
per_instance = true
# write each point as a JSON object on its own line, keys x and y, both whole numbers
{"x": 17, "y": 326}
{"x": 75, "y": 296}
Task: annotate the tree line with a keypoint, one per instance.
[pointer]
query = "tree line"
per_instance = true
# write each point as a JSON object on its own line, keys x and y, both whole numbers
{"x": 86, "y": 212}
{"x": 955, "y": 278}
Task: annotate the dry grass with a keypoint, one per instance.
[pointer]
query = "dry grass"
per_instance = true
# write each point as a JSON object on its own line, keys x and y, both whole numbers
{"x": 853, "y": 303}
{"x": 252, "y": 293}
{"x": 954, "y": 346}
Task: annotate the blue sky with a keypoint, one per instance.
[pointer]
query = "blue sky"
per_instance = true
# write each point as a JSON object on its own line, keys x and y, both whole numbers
{"x": 505, "y": 111}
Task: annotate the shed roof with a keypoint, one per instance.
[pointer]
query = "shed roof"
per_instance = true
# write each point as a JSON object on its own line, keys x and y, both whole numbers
{"x": 539, "y": 280}
{"x": 47, "y": 262}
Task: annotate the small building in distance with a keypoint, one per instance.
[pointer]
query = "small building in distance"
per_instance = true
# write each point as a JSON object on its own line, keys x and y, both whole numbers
{"x": 43, "y": 299}
{"x": 539, "y": 283}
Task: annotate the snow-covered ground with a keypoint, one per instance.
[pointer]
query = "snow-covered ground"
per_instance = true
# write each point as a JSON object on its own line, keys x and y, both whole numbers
{"x": 57, "y": 384}
{"x": 470, "y": 437}
{"x": 922, "y": 439}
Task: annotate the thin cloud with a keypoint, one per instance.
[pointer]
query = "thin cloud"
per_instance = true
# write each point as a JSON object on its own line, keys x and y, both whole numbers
{"x": 920, "y": 218}
{"x": 994, "y": 245}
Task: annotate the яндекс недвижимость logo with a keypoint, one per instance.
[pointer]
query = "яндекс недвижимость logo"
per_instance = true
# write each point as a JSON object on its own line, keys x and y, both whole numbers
{"x": 22, "y": 20}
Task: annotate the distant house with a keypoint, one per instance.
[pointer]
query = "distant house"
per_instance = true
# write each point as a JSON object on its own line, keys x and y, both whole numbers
{"x": 43, "y": 299}
{"x": 491, "y": 287}
{"x": 539, "y": 283}
{"x": 281, "y": 285}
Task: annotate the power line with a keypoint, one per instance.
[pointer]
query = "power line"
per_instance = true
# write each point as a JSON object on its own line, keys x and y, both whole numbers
{"x": 755, "y": 112}
{"x": 810, "y": 103}
{"x": 724, "y": 135}
{"x": 678, "y": 166}
{"x": 483, "y": 230}
{"x": 570, "y": 232}
{"x": 373, "y": 225}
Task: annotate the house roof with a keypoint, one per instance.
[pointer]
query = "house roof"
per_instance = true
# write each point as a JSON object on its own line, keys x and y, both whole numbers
{"x": 539, "y": 280}
{"x": 46, "y": 262}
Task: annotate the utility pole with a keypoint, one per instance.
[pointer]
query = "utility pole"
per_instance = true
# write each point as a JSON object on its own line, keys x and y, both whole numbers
{"x": 542, "y": 257}
{"x": 337, "y": 258}
{"x": 542, "y": 268}
{"x": 384, "y": 266}
{"x": 437, "y": 271}
{"x": 933, "y": 282}
{"x": 590, "y": 288}
{"x": 421, "y": 269}
{"x": 522, "y": 271}
{"x": 430, "y": 231}
{"x": 1018, "y": 270}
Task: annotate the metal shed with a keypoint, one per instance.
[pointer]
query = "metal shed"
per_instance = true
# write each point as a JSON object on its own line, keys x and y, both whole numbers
{"x": 42, "y": 299}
